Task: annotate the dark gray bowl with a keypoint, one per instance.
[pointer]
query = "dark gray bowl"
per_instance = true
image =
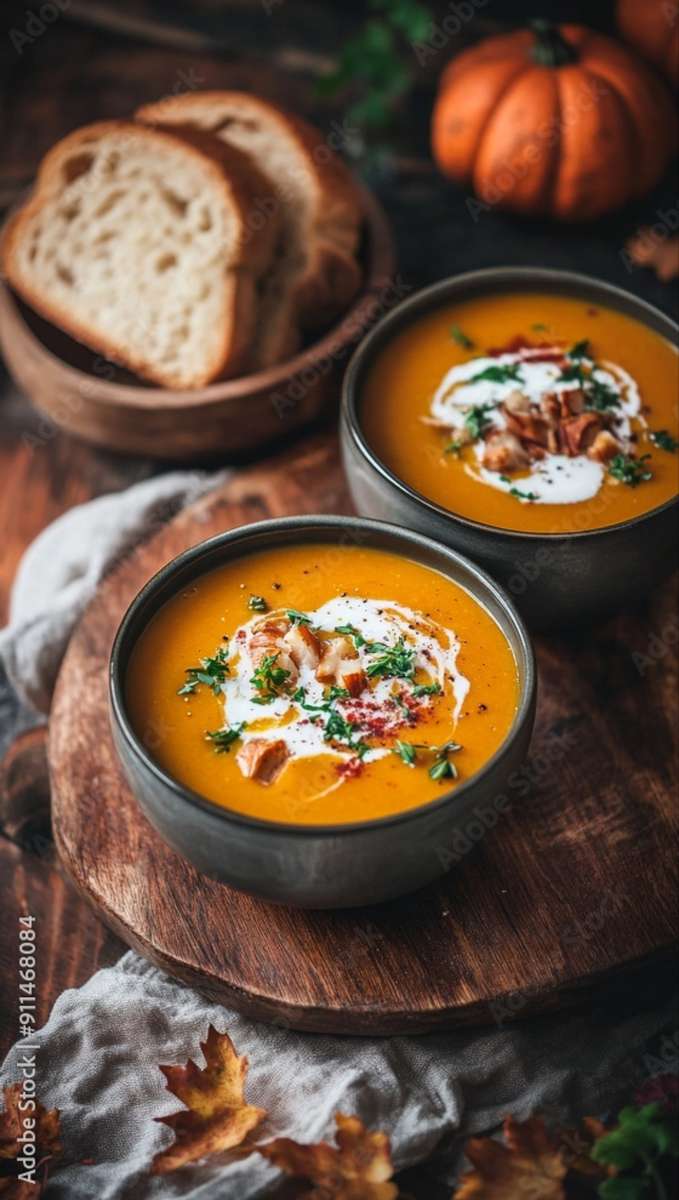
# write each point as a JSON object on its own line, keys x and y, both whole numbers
{"x": 318, "y": 866}
{"x": 556, "y": 580}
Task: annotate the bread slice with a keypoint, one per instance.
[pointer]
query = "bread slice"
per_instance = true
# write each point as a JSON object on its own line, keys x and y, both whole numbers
{"x": 139, "y": 242}
{"x": 316, "y": 273}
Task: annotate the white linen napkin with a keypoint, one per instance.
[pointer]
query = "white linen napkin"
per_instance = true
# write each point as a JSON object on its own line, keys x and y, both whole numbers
{"x": 98, "y": 1054}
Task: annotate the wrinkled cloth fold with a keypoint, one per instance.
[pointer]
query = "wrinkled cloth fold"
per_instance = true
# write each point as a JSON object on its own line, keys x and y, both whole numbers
{"x": 99, "y": 1053}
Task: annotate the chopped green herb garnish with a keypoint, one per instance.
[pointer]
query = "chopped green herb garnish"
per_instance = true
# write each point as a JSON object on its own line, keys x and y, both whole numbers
{"x": 393, "y": 662}
{"x": 515, "y": 491}
{"x": 629, "y": 470}
{"x": 269, "y": 679}
{"x": 351, "y": 631}
{"x": 258, "y": 604}
{"x": 337, "y": 693}
{"x": 573, "y": 372}
{"x": 539, "y": 327}
{"x": 599, "y": 396}
{"x": 579, "y": 350}
{"x": 338, "y": 729}
{"x": 407, "y": 751}
{"x": 500, "y": 373}
{"x": 453, "y": 448}
{"x": 664, "y": 440}
{"x": 458, "y": 335}
{"x": 297, "y": 618}
{"x": 427, "y": 689}
{"x": 330, "y": 696}
{"x": 212, "y": 672}
{"x": 223, "y": 739}
{"x": 477, "y": 420}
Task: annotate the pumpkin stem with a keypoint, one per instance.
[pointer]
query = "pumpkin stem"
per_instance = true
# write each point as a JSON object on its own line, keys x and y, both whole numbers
{"x": 550, "y": 48}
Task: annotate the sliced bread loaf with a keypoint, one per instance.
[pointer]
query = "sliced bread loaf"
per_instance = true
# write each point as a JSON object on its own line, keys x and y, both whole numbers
{"x": 140, "y": 243}
{"x": 316, "y": 273}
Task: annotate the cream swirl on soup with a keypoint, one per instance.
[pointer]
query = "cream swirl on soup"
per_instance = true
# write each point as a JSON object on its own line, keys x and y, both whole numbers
{"x": 349, "y": 679}
{"x": 545, "y": 423}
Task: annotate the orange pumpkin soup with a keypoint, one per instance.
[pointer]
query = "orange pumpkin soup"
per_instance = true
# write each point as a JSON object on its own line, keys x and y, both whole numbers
{"x": 537, "y": 413}
{"x": 317, "y": 684}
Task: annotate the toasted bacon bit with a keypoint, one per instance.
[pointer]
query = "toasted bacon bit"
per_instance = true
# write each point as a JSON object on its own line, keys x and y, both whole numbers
{"x": 528, "y": 427}
{"x": 352, "y": 679}
{"x": 303, "y": 646}
{"x": 268, "y": 639}
{"x": 517, "y": 402}
{"x": 572, "y": 403}
{"x": 604, "y": 447}
{"x": 579, "y": 432}
{"x": 504, "y": 452}
{"x": 262, "y": 760}
{"x": 338, "y": 657}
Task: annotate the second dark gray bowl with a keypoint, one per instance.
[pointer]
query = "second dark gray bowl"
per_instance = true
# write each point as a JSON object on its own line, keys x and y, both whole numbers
{"x": 319, "y": 866}
{"x": 556, "y": 580}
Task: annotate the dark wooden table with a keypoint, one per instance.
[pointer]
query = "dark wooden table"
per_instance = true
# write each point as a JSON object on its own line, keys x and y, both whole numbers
{"x": 79, "y": 70}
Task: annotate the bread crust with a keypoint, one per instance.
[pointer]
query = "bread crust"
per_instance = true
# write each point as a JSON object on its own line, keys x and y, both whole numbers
{"x": 332, "y": 275}
{"x": 245, "y": 187}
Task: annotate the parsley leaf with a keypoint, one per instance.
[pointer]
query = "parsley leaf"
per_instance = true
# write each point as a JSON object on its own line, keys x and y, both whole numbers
{"x": 268, "y": 679}
{"x": 629, "y": 470}
{"x": 500, "y": 373}
{"x": 477, "y": 421}
{"x": 453, "y": 448}
{"x": 351, "y": 631}
{"x": 664, "y": 440}
{"x": 458, "y": 335}
{"x": 258, "y": 604}
{"x": 212, "y": 672}
{"x": 515, "y": 491}
{"x": 599, "y": 396}
{"x": 579, "y": 350}
{"x": 223, "y": 739}
{"x": 392, "y": 662}
{"x": 427, "y": 689}
{"x": 297, "y": 618}
{"x": 338, "y": 729}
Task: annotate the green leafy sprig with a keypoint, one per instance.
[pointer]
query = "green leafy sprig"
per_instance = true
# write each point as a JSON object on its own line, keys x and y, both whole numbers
{"x": 212, "y": 672}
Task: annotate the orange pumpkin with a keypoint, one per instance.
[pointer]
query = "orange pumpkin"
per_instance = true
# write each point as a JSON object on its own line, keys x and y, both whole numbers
{"x": 653, "y": 27}
{"x": 552, "y": 121}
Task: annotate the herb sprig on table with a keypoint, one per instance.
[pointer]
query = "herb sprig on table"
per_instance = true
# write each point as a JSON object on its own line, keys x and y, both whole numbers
{"x": 212, "y": 672}
{"x": 378, "y": 64}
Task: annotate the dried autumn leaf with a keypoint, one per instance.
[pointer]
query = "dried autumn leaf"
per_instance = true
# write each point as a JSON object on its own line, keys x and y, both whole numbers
{"x": 216, "y": 1116}
{"x": 13, "y": 1123}
{"x": 528, "y": 1167}
{"x": 359, "y": 1168}
{"x": 649, "y": 249}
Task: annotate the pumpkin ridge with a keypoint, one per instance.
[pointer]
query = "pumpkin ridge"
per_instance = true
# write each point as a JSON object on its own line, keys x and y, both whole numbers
{"x": 633, "y": 136}
{"x": 502, "y": 95}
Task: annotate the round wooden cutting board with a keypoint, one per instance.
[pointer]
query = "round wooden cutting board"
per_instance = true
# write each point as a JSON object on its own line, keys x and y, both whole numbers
{"x": 577, "y": 878}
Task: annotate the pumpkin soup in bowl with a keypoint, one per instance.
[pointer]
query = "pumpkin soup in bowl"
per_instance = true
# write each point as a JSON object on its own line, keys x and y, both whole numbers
{"x": 518, "y": 402}
{"x": 315, "y": 684}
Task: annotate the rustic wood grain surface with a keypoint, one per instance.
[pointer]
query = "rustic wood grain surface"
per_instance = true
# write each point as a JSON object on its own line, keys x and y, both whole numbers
{"x": 576, "y": 879}
{"x": 78, "y": 71}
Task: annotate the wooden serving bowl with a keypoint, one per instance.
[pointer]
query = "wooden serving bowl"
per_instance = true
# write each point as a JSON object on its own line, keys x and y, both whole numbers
{"x": 89, "y": 396}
